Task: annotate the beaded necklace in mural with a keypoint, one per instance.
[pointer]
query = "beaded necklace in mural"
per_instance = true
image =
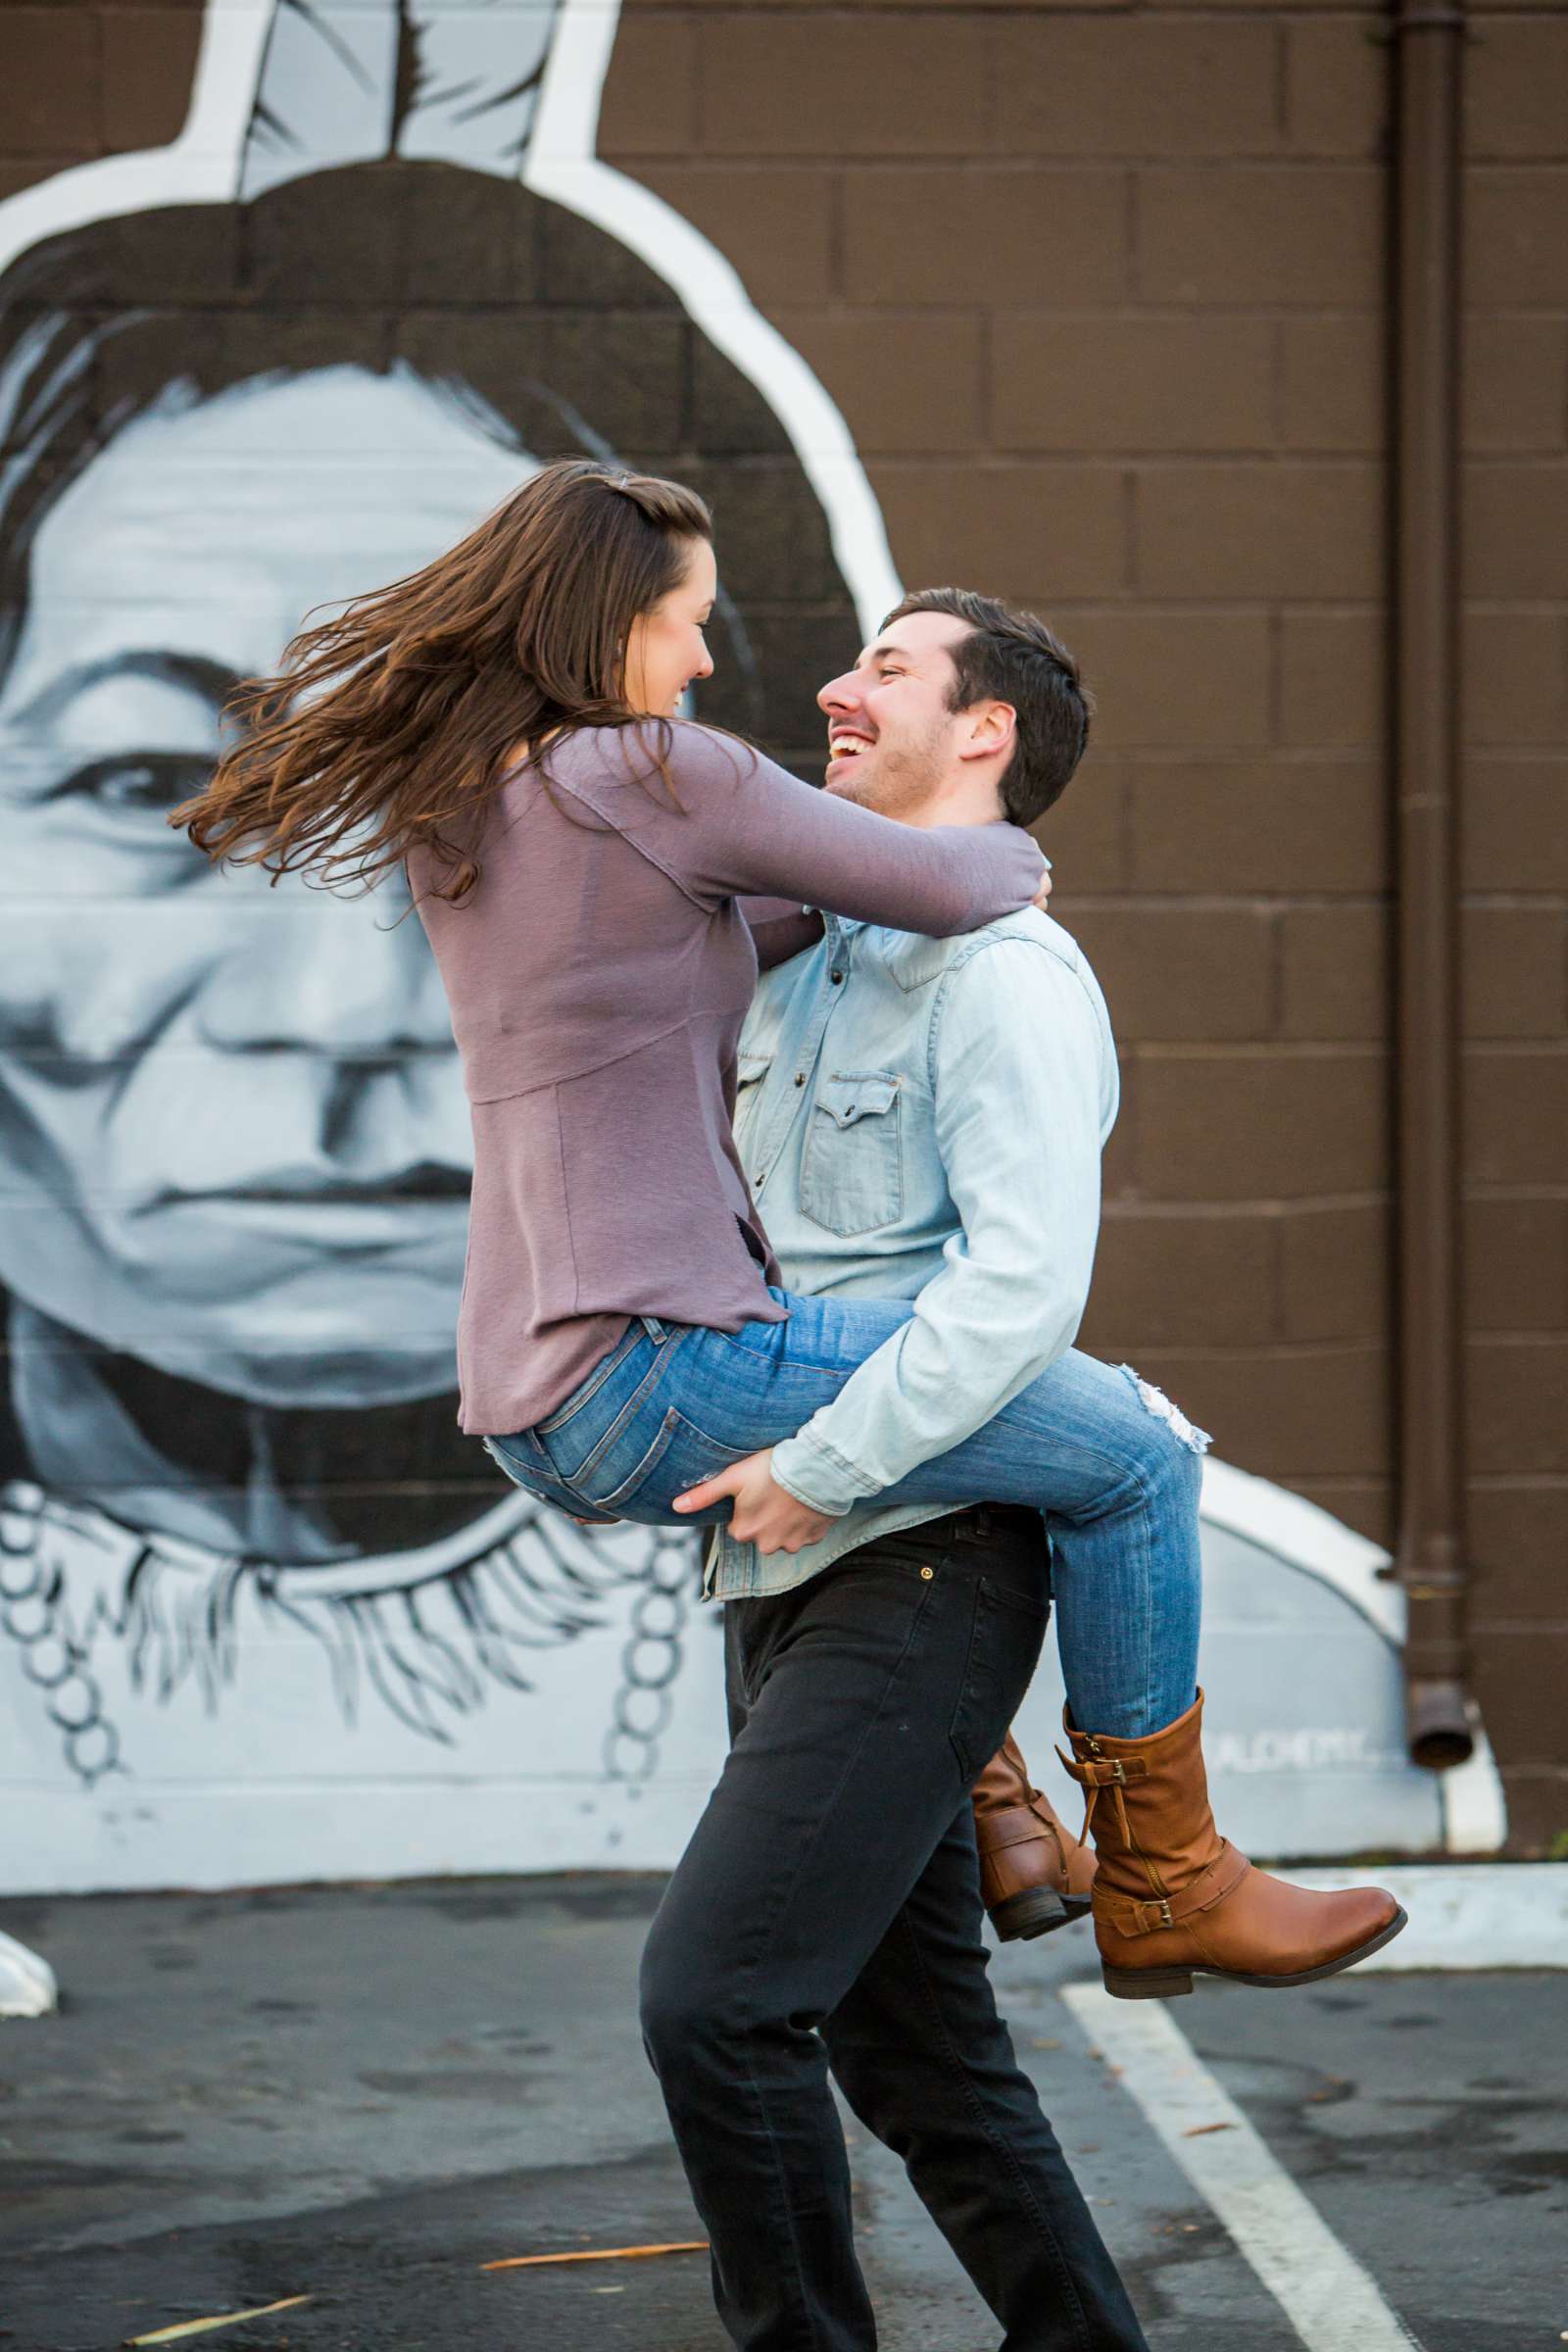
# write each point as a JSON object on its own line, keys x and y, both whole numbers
{"x": 519, "y": 1580}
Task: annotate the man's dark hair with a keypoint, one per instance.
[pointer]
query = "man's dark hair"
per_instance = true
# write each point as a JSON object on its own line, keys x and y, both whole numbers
{"x": 1011, "y": 656}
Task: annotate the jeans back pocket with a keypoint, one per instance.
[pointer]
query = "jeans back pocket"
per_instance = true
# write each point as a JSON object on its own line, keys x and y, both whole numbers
{"x": 526, "y": 1472}
{"x": 640, "y": 1476}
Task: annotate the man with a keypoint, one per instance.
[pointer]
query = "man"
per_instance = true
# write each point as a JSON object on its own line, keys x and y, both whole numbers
{"x": 916, "y": 2045}
{"x": 925, "y": 1119}
{"x": 838, "y": 1172}
{"x": 1035, "y": 1875}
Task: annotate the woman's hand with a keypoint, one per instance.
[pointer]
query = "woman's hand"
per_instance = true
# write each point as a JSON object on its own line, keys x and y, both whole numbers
{"x": 1042, "y": 894}
{"x": 766, "y": 1513}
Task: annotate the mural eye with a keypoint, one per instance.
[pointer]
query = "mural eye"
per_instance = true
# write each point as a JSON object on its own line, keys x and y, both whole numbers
{"x": 140, "y": 784}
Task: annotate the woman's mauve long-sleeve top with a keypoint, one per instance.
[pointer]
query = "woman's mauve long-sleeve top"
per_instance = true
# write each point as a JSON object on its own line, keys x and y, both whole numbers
{"x": 598, "y": 976}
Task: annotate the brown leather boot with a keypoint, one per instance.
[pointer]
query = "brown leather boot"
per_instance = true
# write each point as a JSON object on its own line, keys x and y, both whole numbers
{"x": 1173, "y": 1898}
{"x": 1034, "y": 1875}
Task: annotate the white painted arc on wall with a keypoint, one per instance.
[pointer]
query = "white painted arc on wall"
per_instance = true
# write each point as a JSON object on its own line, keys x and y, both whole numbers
{"x": 199, "y": 167}
{"x": 562, "y": 163}
{"x": 203, "y": 164}
{"x": 1475, "y": 1810}
{"x": 1312, "y": 1540}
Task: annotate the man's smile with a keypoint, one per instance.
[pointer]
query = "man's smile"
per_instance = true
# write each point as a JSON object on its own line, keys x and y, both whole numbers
{"x": 846, "y": 743}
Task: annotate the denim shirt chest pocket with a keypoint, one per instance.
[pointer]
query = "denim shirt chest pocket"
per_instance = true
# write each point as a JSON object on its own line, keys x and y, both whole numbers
{"x": 851, "y": 1169}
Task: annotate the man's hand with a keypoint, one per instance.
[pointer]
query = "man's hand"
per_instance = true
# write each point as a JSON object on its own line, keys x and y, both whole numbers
{"x": 766, "y": 1513}
{"x": 1042, "y": 894}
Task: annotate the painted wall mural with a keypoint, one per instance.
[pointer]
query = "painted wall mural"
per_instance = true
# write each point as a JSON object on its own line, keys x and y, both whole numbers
{"x": 378, "y": 281}
{"x": 263, "y": 1613}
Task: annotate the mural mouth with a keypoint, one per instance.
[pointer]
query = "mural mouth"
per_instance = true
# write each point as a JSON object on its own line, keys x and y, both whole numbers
{"x": 426, "y": 1182}
{"x": 406, "y": 1211}
{"x": 305, "y": 1212}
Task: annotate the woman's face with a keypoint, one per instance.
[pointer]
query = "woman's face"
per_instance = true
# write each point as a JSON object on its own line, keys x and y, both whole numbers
{"x": 666, "y": 652}
{"x": 233, "y": 1133}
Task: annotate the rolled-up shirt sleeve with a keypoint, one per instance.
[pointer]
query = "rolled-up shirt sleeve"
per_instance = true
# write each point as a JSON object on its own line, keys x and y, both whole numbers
{"x": 1018, "y": 1065}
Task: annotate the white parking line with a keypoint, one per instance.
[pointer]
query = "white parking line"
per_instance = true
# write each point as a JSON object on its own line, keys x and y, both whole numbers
{"x": 1329, "y": 2300}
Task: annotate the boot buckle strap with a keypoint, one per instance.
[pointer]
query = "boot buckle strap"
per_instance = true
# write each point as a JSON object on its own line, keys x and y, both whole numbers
{"x": 1106, "y": 1772}
{"x": 1137, "y": 1919}
{"x": 1211, "y": 1885}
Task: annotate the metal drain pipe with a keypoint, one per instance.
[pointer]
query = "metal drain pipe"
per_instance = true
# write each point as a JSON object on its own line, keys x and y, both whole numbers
{"x": 1428, "y": 38}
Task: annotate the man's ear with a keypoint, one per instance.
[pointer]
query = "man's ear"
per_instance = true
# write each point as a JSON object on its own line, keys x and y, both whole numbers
{"x": 993, "y": 728}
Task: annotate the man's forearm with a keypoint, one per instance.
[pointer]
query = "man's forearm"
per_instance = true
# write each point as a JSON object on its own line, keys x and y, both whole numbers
{"x": 1015, "y": 1073}
{"x": 943, "y": 1375}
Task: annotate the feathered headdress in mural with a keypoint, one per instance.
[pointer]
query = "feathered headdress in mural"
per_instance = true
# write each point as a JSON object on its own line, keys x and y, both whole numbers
{"x": 513, "y": 87}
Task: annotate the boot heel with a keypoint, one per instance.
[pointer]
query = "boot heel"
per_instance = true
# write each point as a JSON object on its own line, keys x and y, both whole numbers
{"x": 1034, "y": 1912}
{"x": 1147, "y": 1984}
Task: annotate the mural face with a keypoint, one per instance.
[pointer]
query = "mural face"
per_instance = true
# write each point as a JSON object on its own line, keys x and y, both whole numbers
{"x": 234, "y": 1113}
{"x": 235, "y": 1141}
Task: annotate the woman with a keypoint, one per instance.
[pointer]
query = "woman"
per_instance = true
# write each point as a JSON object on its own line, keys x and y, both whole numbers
{"x": 504, "y": 722}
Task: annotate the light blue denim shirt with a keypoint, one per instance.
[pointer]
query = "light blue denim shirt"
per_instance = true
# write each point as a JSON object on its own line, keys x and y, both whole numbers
{"x": 922, "y": 1118}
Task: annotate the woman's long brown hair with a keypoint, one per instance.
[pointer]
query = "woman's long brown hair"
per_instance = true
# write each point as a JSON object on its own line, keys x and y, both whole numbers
{"x": 388, "y": 727}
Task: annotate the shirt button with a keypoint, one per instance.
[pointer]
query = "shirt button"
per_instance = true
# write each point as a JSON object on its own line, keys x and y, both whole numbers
{"x": 837, "y": 979}
{"x": 799, "y": 1077}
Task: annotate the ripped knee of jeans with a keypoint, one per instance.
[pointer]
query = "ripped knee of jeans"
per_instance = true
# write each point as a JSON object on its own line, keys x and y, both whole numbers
{"x": 1154, "y": 1400}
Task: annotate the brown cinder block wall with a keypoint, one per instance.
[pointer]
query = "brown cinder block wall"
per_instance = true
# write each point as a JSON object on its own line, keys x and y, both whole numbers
{"x": 1516, "y": 896}
{"x": 1101, "y": 292}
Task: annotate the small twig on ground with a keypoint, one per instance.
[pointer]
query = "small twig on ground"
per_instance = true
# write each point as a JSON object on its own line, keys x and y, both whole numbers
{"x": 526, "y": 2262}
{"x": 223, "y": 2319}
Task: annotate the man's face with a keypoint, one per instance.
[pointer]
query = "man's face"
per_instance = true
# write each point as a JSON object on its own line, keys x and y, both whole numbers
{"x": 233, "y": 1135}
{"x": 892, "y": 741}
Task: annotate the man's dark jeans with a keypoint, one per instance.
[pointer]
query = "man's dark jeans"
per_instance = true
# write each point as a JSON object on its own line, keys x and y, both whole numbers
{"x": 827, "y": 1912}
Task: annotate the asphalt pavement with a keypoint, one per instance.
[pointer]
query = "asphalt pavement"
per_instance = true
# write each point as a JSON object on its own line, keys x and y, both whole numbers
{"x": 361, "y": 2095}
